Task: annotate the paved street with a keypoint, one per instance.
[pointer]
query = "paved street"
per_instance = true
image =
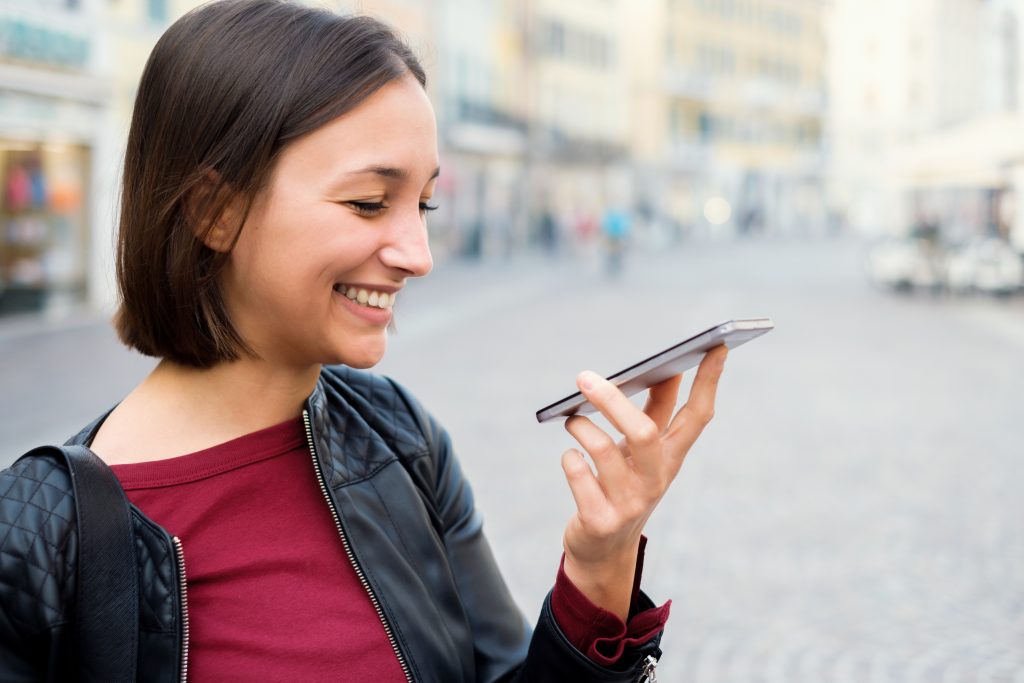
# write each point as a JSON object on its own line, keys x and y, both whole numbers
{"x": 854, "y": 513}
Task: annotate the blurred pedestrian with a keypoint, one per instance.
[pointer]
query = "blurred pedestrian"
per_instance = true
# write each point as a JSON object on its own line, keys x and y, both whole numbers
{"x": 616, "y": 226}
{"x": 584, "y": 225}
{"x": 288, "y": 515}
{"x": 549, "y": 231}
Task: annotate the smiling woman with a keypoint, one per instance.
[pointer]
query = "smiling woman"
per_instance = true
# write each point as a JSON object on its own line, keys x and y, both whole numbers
{"x": 279, "y": 169}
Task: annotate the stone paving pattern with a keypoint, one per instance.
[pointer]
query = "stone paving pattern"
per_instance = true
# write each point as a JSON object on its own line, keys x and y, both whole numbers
{"x": 855, "y": 513}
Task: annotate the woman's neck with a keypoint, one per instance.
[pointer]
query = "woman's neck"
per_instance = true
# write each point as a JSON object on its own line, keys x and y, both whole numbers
{"x": 179, "y": 409}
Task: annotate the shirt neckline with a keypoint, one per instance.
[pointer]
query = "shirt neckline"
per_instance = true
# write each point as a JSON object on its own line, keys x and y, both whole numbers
{"x": 247, "y": 449}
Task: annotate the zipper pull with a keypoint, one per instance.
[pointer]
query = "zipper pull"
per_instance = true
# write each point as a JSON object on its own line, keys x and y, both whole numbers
{"x": 649, "y": 674}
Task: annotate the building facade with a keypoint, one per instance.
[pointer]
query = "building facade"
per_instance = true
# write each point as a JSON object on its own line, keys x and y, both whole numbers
{"x": 68, "y": 74}
{"x": 735, "y": 114}
{"x": 907, "y": 75}
{"x": 578, "y": 125}
{"x": 482, "y": 116}
{"x": 54, "y": 134}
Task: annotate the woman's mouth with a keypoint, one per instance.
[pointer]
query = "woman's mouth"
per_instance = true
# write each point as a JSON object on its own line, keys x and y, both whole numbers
{"x": 366, "y": 297}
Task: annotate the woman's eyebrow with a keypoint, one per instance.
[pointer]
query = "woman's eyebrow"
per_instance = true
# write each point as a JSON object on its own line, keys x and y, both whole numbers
{"x": 392, "y": 172}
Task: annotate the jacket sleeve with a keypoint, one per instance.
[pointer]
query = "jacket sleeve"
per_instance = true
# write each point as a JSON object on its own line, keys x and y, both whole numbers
{"x": 505, "y": 649}
{"x": 37, "y": 545}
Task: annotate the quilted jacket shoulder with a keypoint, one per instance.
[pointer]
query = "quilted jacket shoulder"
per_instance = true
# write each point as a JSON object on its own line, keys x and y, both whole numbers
{"x": 386, "y": 411}
{"x": 370, "y": 415}
{"x": 38, "y": 548}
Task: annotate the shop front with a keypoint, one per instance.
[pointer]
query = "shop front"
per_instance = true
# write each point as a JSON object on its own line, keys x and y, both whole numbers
{"x": 52, "y": 123}
{"x": 44, "y": 240}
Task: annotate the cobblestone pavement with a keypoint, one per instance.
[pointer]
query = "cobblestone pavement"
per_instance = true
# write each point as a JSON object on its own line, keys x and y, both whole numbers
{"x": 854, "y": 513}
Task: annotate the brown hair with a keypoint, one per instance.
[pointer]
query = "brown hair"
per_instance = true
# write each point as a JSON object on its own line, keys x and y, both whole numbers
{"x": 225, "y": 89}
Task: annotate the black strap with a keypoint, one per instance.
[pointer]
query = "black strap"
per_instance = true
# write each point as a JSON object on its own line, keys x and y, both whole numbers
{"x": 106, "y": 628}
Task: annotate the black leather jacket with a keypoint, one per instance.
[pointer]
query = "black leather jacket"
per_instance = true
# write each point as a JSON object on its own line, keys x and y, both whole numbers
{"x": 405, "y": 516}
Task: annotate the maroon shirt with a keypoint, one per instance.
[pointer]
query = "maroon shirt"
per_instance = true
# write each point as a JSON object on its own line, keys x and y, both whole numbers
{"x": 271, "y": 593}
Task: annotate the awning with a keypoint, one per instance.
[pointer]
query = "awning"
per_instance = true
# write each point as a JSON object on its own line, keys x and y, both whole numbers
{"x": 976, "y": 153}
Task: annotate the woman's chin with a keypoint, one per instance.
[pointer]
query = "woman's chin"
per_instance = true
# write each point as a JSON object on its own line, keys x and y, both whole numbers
{"x": 362, "y": 364}
{"x": 361, "y": 358}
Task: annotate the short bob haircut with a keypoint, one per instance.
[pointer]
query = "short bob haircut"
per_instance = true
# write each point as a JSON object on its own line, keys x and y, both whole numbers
{"x": 225, "y": 89}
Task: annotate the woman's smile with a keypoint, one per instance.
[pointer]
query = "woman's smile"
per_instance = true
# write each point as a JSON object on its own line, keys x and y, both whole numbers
{"x": 370, "y": 304}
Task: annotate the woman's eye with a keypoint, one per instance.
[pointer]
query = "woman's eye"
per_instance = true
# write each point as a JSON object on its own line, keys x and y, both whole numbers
{"x": 424, "y": 207}
{"x": 368, "y": 208}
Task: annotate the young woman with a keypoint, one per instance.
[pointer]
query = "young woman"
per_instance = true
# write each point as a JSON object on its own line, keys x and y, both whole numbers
{"x": 295, "y": 517}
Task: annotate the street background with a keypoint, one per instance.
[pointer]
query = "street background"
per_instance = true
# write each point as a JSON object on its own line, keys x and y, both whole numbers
{"x": 617, "y": 175}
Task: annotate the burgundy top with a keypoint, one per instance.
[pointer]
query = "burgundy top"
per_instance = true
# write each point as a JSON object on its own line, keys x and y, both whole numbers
{"x": 271, "y": 592}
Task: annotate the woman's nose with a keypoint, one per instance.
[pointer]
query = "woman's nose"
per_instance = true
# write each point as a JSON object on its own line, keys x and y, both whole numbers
{"x": 408, "y": 248}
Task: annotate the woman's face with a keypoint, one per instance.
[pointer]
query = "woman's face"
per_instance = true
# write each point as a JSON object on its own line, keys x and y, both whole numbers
{"x": 343, "y": 216}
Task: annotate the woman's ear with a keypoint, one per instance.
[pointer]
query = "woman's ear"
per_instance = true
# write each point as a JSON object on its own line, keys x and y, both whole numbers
{"x": 213, "y": 212}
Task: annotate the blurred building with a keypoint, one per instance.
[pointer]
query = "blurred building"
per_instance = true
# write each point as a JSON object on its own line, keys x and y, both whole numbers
{"x": 578, "y": 117}
{"x": 729, "y": 100}
{"x": 482, "y": 117}
{"x": 69, "y": 70}
{"x": 925, "y": 116}
{"x": 54, "y": 130}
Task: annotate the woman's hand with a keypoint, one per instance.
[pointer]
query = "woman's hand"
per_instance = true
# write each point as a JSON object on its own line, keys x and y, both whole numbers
{"x": 602, "y": 537}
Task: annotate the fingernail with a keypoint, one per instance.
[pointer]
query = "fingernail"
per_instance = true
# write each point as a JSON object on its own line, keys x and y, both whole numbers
{"x": 586, "y": 380}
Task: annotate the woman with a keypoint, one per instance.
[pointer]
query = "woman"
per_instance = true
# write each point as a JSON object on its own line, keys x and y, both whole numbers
{"x": 297, "y": 518}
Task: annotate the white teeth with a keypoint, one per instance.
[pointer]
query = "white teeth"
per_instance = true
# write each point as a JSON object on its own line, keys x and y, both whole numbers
{"x": 367, "y": 297}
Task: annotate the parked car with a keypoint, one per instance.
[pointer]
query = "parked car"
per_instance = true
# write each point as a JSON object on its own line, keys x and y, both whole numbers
{"x": 988, "y": 265}
{"x": 906, "y": 264}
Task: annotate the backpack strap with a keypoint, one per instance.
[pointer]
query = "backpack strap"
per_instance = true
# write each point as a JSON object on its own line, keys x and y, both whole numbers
{"x": 106, "y": 615}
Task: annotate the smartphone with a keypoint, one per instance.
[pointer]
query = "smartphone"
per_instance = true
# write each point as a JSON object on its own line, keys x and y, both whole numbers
{"x": 659, "y": 367}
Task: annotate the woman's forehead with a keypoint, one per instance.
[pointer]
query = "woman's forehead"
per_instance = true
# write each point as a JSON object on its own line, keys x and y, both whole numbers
{"x": 392, "y": 134}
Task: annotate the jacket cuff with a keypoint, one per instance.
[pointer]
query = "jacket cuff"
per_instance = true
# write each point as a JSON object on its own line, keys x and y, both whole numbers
{"x": 598, "y": 633}
{"x": 553, "y": 659}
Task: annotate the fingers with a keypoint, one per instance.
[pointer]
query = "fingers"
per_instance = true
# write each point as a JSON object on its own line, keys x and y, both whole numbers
{"x": 586, "y": 490}
{"x": 602, "y": 448}
{"x": 611, "y": 402}
{"x": 661, "y": 401}
{"x": 642, "y": 433}
{"x": 699, "y": 410}
{"x": 647, "y": 441}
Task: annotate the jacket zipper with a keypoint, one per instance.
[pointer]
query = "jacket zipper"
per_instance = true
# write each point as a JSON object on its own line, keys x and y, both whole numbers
{"x": 179, "y": 552}
{"x": 649, "y": 673}
{"x": 348, "y": 549}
